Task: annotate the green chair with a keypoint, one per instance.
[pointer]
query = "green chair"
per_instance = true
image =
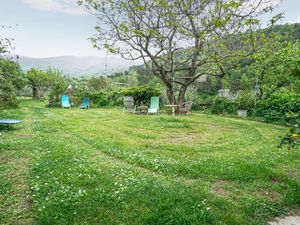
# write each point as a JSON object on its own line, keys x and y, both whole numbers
{"x": 154, "y": 105}
{"x": 65, "y": 102}
{"x": 85, "y": 103}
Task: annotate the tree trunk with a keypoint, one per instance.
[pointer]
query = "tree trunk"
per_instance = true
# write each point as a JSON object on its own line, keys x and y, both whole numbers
{"x": 181, "y": 95}
{"x": 34, "y": 92}
{"x": 171, "y": 95}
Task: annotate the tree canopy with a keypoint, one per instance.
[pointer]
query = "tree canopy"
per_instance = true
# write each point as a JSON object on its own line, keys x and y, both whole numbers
{"x": 215, "y": 32}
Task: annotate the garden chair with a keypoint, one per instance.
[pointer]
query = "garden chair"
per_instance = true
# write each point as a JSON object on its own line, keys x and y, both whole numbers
{"x": 65, "y": 102}
{"x": 129, "y": 104}
{"x": 186, "y": 107}
{"x": 154, "y": 105}
{"x": 85, "y": 103}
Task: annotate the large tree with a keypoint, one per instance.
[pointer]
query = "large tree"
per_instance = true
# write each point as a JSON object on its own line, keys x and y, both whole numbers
{"x": 11, "y": 76}
{"x": 37, "y": 80}
{"x": 277, "y": 65}
{"x": 179, "y": 40}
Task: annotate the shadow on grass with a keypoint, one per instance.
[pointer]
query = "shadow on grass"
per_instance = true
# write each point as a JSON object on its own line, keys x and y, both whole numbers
{"x": 6, "y": 128}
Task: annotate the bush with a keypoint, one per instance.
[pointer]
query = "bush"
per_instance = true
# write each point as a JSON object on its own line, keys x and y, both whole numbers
{"x": 57, "y": 86}
{"x": 115, "y": 98}
{"x": 141, "y": 94}
{"x": 244, "y": 100}
{"x": 99, "y": 99}
{"x": 223, "y": 106}
{"x": 292, "y": 138}
{"x": 7, "y": 95}
{"x": 275, "y": 107}
{"x": 203, "y": 102}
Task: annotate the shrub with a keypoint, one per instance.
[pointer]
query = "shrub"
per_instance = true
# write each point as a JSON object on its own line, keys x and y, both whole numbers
{"x": 115, "y": 98}
{"x": 292, "y": 138}
{"x": 141, "y": 94}
{"x": 244, "y": 100}
{"x": 223, "y": 105}
{"x": 57, "y": 86}
{"x": 275, "y": 107}
{"x": 99, "y": 99}
{"x": 203, "y": 102}
{"x": 11, "y": 81}
{"x": 7, "y": 94}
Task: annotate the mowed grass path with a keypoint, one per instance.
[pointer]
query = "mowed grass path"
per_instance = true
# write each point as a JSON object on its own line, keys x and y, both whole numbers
{"x": 100, "y": 166}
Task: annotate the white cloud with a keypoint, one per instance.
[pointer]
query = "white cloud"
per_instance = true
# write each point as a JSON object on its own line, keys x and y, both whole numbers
{"x": 62, "y": 6}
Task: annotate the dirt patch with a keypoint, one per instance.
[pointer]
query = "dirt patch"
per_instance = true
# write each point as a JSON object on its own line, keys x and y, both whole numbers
{"x": 182, "y": 138}
{"x": 218, "y": 188}
{"x": 290, "y": 173}
{"x": 271, "y": 195}
{"x": 288, "y": 220}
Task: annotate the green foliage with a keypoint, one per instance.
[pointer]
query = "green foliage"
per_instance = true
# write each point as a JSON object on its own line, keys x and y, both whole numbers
{"x": 244, "y": 100}
{"x": 141, "y": 94}
{"x": 292, "y": 138}
{"x": 115, "y": 98}
{"x": 58, "y": 84}
{"x": 11, "y": 80}
{"x": 223, "y": 106}
{"x": 11, "y": 71}
{"x": 7, "y": 94}
{"x": 287, "y": 31}
{"x": 144, "y": 75}
{"x": 203, "y": 102}
{"x": 99, "y": 99}
{"x": 38, "y": 80}
{"x": 97, "y": 83}
{"x": 275, "y": 107}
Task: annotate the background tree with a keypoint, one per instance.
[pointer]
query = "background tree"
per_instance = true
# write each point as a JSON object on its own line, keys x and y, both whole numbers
{"x": 97, "y": 83}
{"x": 58, "y": 84}
{"x": 214, "y": 34}
{"x": 38, "y": 80}
{"x": 5, "y": 42}
{"x": 11, "y": 76}
{"x": 278, "y": 67}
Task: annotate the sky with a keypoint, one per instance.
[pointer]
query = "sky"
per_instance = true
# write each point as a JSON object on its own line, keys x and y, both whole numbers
{"x": 48, "y": 28}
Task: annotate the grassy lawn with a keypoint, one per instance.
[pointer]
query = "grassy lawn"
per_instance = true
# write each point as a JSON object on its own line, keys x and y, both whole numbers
{"x": 100, "y": 166}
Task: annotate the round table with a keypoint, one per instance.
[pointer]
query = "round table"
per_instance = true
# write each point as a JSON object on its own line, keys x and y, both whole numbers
{"x": 143, "y": 109}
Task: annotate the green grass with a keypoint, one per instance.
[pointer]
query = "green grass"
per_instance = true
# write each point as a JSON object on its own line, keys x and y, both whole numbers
{"x": 100, "y": 166}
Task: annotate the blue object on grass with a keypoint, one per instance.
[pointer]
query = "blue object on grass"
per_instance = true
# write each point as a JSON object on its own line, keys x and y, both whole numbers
{"x": 9, "y": 121}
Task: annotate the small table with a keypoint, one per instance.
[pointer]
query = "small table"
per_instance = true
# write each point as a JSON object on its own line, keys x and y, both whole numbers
{"x": 143, "y": 109}
{"x": 173, "y": 108}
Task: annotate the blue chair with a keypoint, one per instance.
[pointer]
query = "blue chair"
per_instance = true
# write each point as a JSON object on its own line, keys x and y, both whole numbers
{"x": 85, "y": 103}
{"x": 65, "y": 102}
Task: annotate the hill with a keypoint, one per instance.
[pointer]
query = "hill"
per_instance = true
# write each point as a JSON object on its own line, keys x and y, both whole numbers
{"x": 78, "y": 66}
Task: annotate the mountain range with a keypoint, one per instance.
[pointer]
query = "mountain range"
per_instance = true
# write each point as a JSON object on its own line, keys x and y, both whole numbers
{"x": 77, "y": 66}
